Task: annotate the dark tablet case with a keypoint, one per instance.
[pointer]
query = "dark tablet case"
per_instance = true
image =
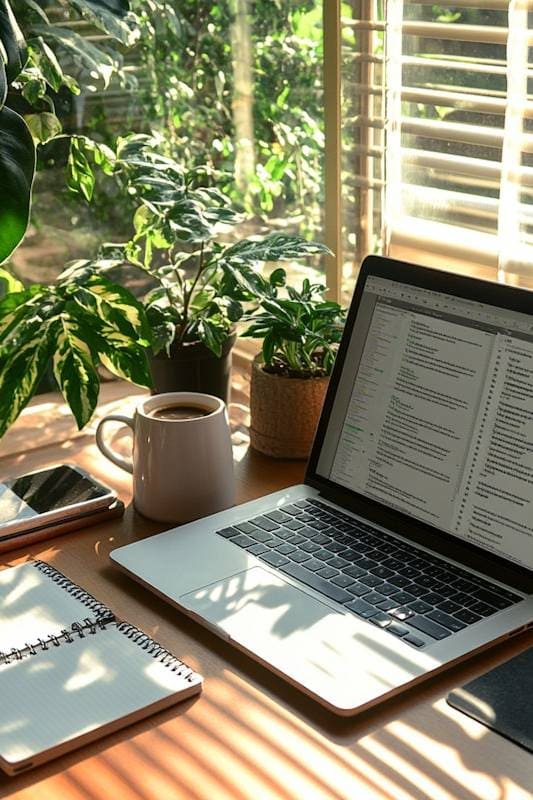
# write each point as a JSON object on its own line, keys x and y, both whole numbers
{"x": 502, "y": 699}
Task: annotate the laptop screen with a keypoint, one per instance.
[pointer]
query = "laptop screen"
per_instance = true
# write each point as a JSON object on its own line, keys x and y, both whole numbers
{"x": 433, "y": 414}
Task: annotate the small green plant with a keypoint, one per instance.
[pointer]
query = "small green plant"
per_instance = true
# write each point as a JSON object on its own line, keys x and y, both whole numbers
{"x": 181, "y": 223}
{"x": 300, "y": 332}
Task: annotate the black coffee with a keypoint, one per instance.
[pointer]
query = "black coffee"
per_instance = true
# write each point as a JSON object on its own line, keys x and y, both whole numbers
{"x": 180, "y": 411}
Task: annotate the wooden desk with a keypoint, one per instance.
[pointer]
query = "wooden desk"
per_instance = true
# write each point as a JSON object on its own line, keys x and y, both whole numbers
{"x": 249, "y": 735}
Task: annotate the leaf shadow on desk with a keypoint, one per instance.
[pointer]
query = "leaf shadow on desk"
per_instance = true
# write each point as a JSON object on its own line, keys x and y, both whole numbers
{"x": 408, "y": 742}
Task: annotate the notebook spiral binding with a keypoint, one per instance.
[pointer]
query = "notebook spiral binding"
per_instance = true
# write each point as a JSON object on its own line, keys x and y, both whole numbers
{"x": 99, "y": 609}
{"x": 156, "y": 650}
{"x": 79, "y": 629}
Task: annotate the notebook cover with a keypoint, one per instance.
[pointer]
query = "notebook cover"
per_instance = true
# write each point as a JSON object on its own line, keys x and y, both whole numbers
{"x": 501, "y": 699}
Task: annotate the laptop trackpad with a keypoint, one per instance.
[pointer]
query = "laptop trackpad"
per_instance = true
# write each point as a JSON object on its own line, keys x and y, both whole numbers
{"x": 306, "y": 640}
{"x": 256, "y": 603}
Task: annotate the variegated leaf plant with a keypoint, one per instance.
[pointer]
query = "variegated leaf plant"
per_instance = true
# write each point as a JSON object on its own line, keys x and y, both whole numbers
{"x": 83, "y": 320}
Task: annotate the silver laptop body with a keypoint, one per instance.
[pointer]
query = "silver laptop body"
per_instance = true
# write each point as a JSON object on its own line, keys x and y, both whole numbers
{"x": 410, "y": 545}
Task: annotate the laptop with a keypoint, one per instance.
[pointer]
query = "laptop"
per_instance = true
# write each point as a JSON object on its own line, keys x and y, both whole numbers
{"x": 409, "y": 546}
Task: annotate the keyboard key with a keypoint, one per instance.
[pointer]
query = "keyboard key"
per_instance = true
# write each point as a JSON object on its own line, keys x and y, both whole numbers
{"x": 462, "y": 599}
{"x": 278, "y": 516}
{"x": 319, "y": 538}
{"x": 493, "y": 599}
{"x": 417, "y": 590}
{"x": 285, "y": 548}
{"x": 361, "y": 608}
{"x": 328, "y": 572}
{"x": 428, "y": 626}
{"x": 274, "y": 559}
{"x": 260, "y": 536}
{"x": 386, "y": 605}
{"x": 318, "y": 525}
{"x": 323, "y": 555}
{"x": 293, "y": 510}
{"x": 483, "y": 608}
{"x": 316, "y": 582}
{"x": 465, "y": 615}
{"x": 434, "y": 598}
{"x": 419, "y": 607}
{"x": 297, "y": 539}
{"x": 382, "y": 572}
{"x": 402, "y": 598}
{"x": 354, "y": 571}
{"x": 265, "y": 523}
{"x": 258, "y": 549}
{"x": 409, "y": 572}
{"x": 381, "y": 620}
{"x": 400, "y": 581}
{"x": 298, "y": 556}
{"x": 227, "y": 533}
{"x": 448, "y": 606}
{"x": 245, "y": 527}
{"x": 463, "y": 585}
{"x": 388, "y": 588}
{"x": 401, "y": 613}
{"x": 343, "y": 581}
{"x": 397, "y": 630}
{"x": 449, "y": 622}
{"x": 313, "y": 564}
{"x": 335, "y": 547}
{"x": 372, "y": 580}
{"x": 294, "y": 525}
{"x": 374, "y": 598}
{"x": 302, "y": 504}
{"x": 242, "y": 540}
{"x": 338, "y": 563}
{"x": 367, "y": 563}
{"x": 358, "y": 589}
{"x": 309, "y": 547}
{"x": 283, "y": 533}
{"x": 414, "y": 640}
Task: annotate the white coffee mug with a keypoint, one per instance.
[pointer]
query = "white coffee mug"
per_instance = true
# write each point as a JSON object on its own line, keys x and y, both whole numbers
{"x": 182, "y": 468}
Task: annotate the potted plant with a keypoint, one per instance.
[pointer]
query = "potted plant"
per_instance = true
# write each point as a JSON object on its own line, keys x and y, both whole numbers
{"x": 300, "y": 335}
{"x": 200, "y": 275}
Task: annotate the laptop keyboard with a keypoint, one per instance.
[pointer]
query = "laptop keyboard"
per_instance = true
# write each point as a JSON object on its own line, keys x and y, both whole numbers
{"x": 409, "y": 593}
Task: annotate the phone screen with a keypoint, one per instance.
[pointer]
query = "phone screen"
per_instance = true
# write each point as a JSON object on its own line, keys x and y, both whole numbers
{"x": 31, "y": 495}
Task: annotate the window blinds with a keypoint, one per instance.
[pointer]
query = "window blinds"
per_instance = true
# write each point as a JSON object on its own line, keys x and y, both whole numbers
{"x": 439, "y": 111}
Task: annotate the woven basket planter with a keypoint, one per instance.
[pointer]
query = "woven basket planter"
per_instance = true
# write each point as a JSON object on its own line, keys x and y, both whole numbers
{"x": 284, "y": 412}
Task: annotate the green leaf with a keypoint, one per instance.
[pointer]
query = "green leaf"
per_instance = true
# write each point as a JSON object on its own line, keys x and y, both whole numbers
{"x": 43, "y": 127}
{"x": 45, "y": 58}
{"x": 17, "y": 167}
{"x": 278, "y": 277}
{"x": 87, "y": 56}
{"x": 212, "y": 336}
{"x": 74, "y": 370}
{"x": 112, "y": 16}
{"x": 114, "y": 305}
{"x": 12, "y": 284}
{"x": 22, "y": 370}
{"x": 13, "y": 44}
{"x": 276, "y": 247}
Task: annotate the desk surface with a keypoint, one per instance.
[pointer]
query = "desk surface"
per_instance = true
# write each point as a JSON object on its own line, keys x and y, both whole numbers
{"x": 249, "y": 735}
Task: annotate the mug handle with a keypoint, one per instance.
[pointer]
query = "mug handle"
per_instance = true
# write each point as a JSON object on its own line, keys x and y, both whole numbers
{"x": 123, "y": 463}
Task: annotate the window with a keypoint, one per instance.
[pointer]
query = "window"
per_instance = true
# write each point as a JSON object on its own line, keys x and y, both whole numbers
{"x": 435, "y": 158}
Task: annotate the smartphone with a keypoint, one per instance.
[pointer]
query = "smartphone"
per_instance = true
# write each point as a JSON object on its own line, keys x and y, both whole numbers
{"x": 57, "y": 493}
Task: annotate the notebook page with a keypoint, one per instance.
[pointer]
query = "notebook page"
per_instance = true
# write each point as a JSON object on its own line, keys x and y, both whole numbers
{"x": 33, "y": 606}
{"x": 58, "y": 695}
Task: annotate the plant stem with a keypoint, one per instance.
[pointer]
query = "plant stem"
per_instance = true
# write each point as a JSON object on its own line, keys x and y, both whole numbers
{"x": 187, "y": 295}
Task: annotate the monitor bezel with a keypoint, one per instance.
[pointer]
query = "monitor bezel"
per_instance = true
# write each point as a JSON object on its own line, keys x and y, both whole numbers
{"x": 435, "y": 539}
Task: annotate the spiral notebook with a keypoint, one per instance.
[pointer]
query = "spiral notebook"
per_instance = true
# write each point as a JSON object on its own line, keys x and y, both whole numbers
{"x": 70, "y": 671}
